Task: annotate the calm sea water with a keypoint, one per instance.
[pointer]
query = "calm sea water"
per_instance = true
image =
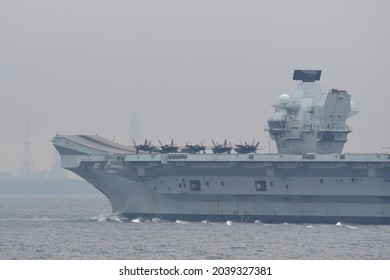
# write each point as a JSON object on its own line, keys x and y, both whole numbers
{"x": 82, "y": 227}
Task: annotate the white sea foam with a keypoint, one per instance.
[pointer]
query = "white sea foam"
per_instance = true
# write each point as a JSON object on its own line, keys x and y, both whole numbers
{"x": 100, "y": 218}
{"x": 181, "y": 222}
{"x": 209, "y": 223}
{"x": 113, "y": 217}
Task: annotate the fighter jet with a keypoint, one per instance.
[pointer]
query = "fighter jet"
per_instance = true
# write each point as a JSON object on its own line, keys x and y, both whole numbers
{"x": 246, "y": 149}
{"x": 221, "y": 149}
{"x": 146, "y": 147}
{"x": 165, "y": 149}
{"x": 193, "y": 149}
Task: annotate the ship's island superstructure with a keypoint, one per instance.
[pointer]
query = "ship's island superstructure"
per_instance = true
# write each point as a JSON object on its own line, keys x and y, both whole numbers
{"x": 309, "y": 180}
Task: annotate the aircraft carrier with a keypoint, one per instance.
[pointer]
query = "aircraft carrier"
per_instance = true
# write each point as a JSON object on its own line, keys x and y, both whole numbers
{"x": 309, "y": 180}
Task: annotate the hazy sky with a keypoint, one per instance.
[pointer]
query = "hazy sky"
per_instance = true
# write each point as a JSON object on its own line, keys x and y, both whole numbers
{"x": 192, "y": 70}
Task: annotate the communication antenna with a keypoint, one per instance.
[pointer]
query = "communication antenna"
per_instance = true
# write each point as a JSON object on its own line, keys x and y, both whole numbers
{"x": 27, "y": 164}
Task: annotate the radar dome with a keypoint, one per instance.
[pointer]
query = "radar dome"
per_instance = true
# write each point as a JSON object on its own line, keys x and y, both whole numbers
{"x": 284, "y": 99}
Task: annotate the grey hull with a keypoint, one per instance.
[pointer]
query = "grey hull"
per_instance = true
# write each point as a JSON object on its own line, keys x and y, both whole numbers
{"x": 310, "y": 180}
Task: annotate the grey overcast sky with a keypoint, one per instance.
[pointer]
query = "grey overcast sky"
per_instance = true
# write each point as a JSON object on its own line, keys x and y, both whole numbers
{"x": 192, "y": 70}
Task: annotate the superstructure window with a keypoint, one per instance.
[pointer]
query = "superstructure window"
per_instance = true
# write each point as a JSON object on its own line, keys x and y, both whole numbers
{"x": 326, "y": 135}
{"x": 195, "y": 185}
{"x": 277, "y": 124}
{"x": 260, "y": 186}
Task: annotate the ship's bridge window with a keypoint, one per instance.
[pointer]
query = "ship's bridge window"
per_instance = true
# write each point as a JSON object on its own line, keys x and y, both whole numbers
{"x": 195, "y": 185}
{"x": 260, "y": 186}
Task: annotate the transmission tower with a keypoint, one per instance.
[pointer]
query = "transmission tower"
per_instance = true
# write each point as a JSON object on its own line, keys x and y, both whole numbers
{"x": 27, "y": 164}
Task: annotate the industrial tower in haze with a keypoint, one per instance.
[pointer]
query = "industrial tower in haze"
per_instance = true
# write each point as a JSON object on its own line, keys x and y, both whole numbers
{"x": 27, "y": 164}
{"x": 134, "y": 130}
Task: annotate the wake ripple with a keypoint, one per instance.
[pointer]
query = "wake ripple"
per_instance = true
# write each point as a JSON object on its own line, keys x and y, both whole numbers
{"x": 113, "y": 217}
